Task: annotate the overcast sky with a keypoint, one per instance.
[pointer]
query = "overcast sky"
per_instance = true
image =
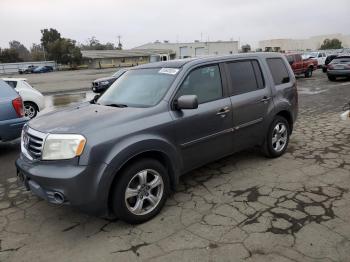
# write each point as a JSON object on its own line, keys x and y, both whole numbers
{"x": 143, "y": 21}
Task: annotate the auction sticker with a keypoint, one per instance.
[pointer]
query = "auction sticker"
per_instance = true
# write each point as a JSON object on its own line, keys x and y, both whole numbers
{"x": 169, "y": 71}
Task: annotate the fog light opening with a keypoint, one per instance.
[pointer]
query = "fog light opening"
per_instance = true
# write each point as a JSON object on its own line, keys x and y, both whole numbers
{"x": 59, "y": 197}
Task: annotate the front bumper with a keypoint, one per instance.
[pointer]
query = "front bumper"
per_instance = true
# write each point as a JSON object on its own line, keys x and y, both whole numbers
{"x": 11, "y": 129}
{"x": 81, "y": 186}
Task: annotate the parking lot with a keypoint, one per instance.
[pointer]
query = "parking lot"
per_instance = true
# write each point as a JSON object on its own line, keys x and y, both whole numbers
{"x": 242, "y": 208}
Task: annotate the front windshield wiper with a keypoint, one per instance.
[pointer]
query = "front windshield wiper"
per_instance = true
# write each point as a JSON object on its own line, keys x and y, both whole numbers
{"x": 117, "y": 105}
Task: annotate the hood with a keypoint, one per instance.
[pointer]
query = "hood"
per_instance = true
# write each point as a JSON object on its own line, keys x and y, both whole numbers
{"x": 85, "y": 118}
{"x": 109, "y": 78}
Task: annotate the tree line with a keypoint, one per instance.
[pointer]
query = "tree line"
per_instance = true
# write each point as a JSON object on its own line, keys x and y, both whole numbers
{"x": 52, "y": 47}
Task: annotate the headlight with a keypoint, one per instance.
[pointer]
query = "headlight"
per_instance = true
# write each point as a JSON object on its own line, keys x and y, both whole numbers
{"x": 63, "y": 146}
{"x": 103, "y": 83}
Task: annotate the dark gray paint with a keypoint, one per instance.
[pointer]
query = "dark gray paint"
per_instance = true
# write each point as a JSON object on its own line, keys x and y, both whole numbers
{"x": 185, "y": 139}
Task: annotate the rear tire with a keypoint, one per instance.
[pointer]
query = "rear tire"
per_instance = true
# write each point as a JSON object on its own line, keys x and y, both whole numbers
{"x": 277, "y": 139}
{"x": 141, "y": 191}
{"x": 308, "y": 73}
{"x": 331, "y": 78}
{"x": 30, "y": 109}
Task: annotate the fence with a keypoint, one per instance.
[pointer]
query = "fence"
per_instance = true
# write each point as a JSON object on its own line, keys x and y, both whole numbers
{"x": 12, "y": 68}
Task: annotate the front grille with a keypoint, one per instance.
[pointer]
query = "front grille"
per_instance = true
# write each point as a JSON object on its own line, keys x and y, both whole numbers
{"x": 33, "y": 142}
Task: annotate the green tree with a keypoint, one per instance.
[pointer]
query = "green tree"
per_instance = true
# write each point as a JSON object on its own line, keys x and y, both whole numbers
{"x": 64, "y": 51}
{"x": 331, "y": 44}
{"x": 49, "y": 36}
{"x": 9, "y": 55}
{"x": 22, "y": 51}
{"x": 37, "y": 52}
{"x": 95, "y": 44}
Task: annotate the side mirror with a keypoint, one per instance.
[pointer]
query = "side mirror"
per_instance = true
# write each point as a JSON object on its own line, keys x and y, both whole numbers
{"x": 94, "y": 100}
{"x": 187, "y": 102}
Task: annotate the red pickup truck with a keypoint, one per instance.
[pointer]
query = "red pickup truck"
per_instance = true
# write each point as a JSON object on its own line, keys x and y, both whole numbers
{"x": 301, "y": 66}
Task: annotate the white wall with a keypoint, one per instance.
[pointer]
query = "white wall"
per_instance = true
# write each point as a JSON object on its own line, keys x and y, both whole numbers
{"x": 196, "y": 48}
{"x": 312, "y": 43}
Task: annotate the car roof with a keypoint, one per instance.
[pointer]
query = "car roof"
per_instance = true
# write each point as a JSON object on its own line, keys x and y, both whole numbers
{"x": 14, "y": 79}
{"x": 198, "y": 60}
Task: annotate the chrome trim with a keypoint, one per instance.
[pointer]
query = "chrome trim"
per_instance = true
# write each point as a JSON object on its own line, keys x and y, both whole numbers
{"x": 190, "y": 143}
{"x": 33, "y": 136}
{"x": 248, "y": 123}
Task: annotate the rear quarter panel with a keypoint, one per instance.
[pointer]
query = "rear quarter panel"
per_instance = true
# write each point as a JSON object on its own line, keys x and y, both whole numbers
{"x": 7, "y": 94}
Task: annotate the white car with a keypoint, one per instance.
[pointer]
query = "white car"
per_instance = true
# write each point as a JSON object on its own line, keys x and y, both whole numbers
{"x": 33, "y": 100}
{"x": 319, "y": 56}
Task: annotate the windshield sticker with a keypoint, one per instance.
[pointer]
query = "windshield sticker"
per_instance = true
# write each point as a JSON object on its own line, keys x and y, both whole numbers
{"x": 169, "y": 71}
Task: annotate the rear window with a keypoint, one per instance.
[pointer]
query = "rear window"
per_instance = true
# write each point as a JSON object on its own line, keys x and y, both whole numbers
{"x": 13, "y": 84}
{"x": 246, "y": 76}
{"x": 278, "y": 70}
{"x": 344, "y": 59}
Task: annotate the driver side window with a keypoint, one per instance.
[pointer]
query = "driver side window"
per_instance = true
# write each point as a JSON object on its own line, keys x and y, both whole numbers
{"x": 204, "y": 82}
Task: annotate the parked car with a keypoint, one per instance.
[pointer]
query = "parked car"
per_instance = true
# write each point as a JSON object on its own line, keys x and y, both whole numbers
{"x": 43, "y": 69}
{"x": 326, "y": 63}
{"x": 301, "y": 66}
{"x": 122, "y": 153}
{"x": 27, "y": 70}
{"x": 320, "y": 56}
{"x": 339, "y": 67}
{"x": 102, "y": 84}
{"x": 11, "y": 113}
{"x": 33, "y": 100}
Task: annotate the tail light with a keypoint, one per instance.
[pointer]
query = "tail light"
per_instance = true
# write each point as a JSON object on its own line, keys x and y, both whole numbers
{"x": 18, "y": 106}
{"x": 330, "y": 66}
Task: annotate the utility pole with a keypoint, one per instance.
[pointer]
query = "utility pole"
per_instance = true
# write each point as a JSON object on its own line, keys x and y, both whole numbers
{"x": 119, "y": 43}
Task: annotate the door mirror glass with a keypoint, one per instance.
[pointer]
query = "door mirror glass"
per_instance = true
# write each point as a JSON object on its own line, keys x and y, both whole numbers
{"x": 187, "y": 102}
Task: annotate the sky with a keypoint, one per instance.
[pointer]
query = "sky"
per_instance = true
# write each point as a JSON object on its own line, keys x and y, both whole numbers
{"x": 143, "y": 21}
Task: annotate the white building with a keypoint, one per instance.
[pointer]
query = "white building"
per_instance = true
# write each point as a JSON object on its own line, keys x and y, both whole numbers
{"x": 312, "y": 43}
{"x": 196, "y": 48}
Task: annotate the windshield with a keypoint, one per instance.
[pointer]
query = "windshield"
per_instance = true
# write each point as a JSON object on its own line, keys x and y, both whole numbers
{"x": 139, "y": 88}
{"x": 312, "y": 54}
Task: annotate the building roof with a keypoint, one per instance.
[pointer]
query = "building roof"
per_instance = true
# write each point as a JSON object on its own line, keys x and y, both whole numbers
{"x": 94, "y": 54}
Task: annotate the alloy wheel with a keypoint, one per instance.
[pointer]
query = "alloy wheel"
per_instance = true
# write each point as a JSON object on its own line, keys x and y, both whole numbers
{"x": 144, "y": 192}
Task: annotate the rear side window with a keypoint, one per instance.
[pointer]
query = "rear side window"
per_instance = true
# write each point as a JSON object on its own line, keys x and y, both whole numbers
{"x": 278, "y": 70}
{"x": 13, "y": 84}
{"x": 246, "y": 76}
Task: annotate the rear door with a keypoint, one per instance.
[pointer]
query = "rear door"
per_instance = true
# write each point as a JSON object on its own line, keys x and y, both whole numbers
{"x": 250, "y": 99}
{"x": 204, "y": 134}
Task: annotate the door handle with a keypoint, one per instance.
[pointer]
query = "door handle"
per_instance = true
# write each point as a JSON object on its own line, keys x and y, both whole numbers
{"x": 265, "y": 99}
{"x": 223, "y": 111}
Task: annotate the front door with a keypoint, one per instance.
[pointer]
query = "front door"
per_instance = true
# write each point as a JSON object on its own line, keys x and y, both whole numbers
{"x": 204, "y": 134}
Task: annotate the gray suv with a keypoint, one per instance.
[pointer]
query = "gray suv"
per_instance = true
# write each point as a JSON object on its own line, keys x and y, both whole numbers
{"x": 123, "y": 152}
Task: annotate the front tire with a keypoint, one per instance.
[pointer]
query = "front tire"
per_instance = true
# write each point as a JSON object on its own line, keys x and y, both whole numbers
{"x": 30, "y": 109}
{"x": 277, "y": 138}
{"x": 141, "y": 191}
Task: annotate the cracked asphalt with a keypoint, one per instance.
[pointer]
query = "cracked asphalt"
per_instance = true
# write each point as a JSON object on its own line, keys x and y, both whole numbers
{"x": 242, "y": 208}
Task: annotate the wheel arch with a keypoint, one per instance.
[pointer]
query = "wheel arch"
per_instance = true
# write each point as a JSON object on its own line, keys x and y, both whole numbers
{"x": 159, "y": 155}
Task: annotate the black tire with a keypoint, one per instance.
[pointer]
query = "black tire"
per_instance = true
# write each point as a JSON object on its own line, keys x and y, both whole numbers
{"x": 324, "y": 69}
{"x": 119, "y": 203}
{"x": 308, "y": 73}
{"x": 268, "y": 148}
{"x": 331, "y": 78}
{"x": 30, "y": 109}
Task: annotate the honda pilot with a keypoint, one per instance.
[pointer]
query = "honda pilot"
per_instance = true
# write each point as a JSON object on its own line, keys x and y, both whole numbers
{"x": 122, "y": 153}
